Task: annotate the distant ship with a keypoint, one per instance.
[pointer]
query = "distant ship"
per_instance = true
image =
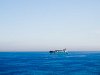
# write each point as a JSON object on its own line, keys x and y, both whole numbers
{"x": 58, "y": 51}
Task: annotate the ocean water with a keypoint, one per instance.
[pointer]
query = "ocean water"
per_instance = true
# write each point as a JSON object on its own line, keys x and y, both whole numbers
{"x": 43, "y": 63}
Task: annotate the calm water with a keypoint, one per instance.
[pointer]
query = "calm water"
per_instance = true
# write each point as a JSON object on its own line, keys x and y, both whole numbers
{"x": 43, "y": 63}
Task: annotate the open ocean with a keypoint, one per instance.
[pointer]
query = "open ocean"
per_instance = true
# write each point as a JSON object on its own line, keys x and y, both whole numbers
{"x": 43, "y": 63}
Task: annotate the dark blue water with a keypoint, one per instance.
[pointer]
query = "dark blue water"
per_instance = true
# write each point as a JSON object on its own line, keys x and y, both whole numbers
{"x": 43, "y": 63}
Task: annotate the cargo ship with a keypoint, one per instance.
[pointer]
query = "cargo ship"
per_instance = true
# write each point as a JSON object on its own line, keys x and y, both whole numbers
{"x": 58, "y": 51}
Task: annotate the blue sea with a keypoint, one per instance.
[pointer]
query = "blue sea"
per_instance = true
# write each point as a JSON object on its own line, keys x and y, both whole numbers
{"x": 43, "y": 63}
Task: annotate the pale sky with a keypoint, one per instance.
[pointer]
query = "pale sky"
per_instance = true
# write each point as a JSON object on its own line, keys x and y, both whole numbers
{"x": 33, "y": 25}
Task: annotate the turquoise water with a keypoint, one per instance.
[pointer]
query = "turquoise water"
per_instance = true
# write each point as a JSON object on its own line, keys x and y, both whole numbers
{"x": 43, "y": 63}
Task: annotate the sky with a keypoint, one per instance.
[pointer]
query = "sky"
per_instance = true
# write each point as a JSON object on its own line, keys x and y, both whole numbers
{"x": 41, "y": 25}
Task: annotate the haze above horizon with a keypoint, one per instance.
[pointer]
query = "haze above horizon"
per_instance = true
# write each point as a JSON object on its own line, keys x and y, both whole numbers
{"x": 28, "y": 25}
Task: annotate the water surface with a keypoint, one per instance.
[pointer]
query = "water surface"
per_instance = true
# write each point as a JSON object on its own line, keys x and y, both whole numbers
{"x": 43, "y": 63}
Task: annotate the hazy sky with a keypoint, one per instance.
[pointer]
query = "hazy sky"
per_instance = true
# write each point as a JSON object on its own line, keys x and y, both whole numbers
{"x": 49, "y": 24}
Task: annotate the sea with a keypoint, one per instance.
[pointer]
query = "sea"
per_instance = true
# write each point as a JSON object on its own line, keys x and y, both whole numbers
{"x": 44, "y": 63}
